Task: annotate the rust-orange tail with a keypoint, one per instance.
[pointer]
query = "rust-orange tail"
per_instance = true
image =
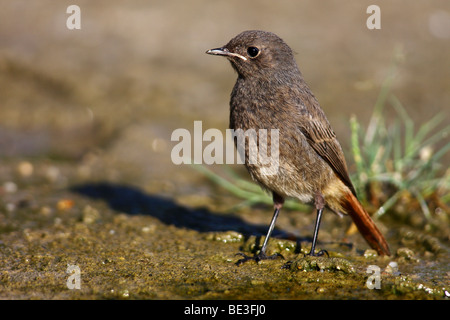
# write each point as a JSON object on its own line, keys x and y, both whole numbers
{"x": 365, "y": 224}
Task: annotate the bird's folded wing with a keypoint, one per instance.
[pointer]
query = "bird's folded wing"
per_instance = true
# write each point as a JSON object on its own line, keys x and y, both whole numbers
{"x": 323, "y": 140}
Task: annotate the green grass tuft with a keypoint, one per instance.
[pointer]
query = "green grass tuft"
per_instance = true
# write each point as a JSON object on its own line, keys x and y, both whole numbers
{"x": 397, "y": 160}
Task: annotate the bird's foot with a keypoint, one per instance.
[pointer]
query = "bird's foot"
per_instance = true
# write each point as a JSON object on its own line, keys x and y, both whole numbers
{"x": 318, "y": 254}
{"x": 257, "y": 257}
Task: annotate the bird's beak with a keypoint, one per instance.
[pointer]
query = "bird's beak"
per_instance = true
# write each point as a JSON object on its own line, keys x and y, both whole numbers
{"x": 218, "y": 51}
{"x": 225, "y": 52}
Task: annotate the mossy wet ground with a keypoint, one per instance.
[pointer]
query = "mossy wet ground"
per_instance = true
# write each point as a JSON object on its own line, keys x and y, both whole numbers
{"x": 86, "y": 176}
{"x": 133, "y": 244}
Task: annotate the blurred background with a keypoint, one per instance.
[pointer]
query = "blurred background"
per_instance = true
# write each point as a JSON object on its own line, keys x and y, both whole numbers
{"x": 107, "y": 97}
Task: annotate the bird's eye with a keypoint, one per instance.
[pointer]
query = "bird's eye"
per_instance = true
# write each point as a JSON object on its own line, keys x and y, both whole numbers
{"x": 252, "y": 51}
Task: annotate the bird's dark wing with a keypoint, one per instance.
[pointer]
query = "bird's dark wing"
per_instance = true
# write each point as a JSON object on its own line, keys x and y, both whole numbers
{"x": 317, "y": 130}
{"x": 323, "y": 140}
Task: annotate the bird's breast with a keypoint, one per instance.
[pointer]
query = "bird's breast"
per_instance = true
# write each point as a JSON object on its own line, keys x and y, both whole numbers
{"x": 280, "y": 157}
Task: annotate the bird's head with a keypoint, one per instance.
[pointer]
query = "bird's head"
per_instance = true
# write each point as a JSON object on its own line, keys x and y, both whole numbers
{"x": 257, "y": 53}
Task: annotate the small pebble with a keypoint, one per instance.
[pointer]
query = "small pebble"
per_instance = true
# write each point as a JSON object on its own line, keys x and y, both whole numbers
{"x": 370, "y": 253}
{"x": 149, "y": 229}
{"x": 10, "y": 207}
{"x": 65, "y": 204}
{"x": 125, "y": 294}
{"x": 90, "y": 215}
{"x": 226, "y": 237}
{"x": 321, "y": 290}
{"x": 52, "y": 173}
{"x": 45, "y": 211}
{"x": 25, "y": 169}
{"x": 392, "y": 268}
{"x": 406, "y": 254}
{"x": 10, "y": 187}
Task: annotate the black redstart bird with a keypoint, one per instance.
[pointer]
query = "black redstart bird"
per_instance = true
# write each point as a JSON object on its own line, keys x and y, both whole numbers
{"x": 270, "y": 93}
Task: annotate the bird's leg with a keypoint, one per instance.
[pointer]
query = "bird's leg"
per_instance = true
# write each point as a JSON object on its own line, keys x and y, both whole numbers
{"x": 320, "y": 205}
{"x": 278, "y": 204}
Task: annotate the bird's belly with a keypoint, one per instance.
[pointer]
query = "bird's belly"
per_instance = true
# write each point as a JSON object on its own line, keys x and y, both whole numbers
{"x": 301, "y": 180}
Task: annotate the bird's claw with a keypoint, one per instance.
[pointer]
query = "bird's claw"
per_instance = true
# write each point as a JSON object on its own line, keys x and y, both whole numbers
{"x": 318, "y": 254}
{"x": 257, "y": 257}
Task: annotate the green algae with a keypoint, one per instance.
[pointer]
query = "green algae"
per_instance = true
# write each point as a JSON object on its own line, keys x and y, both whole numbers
{"x": 311, "y": 263}
{"x": 150, "y": 247}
